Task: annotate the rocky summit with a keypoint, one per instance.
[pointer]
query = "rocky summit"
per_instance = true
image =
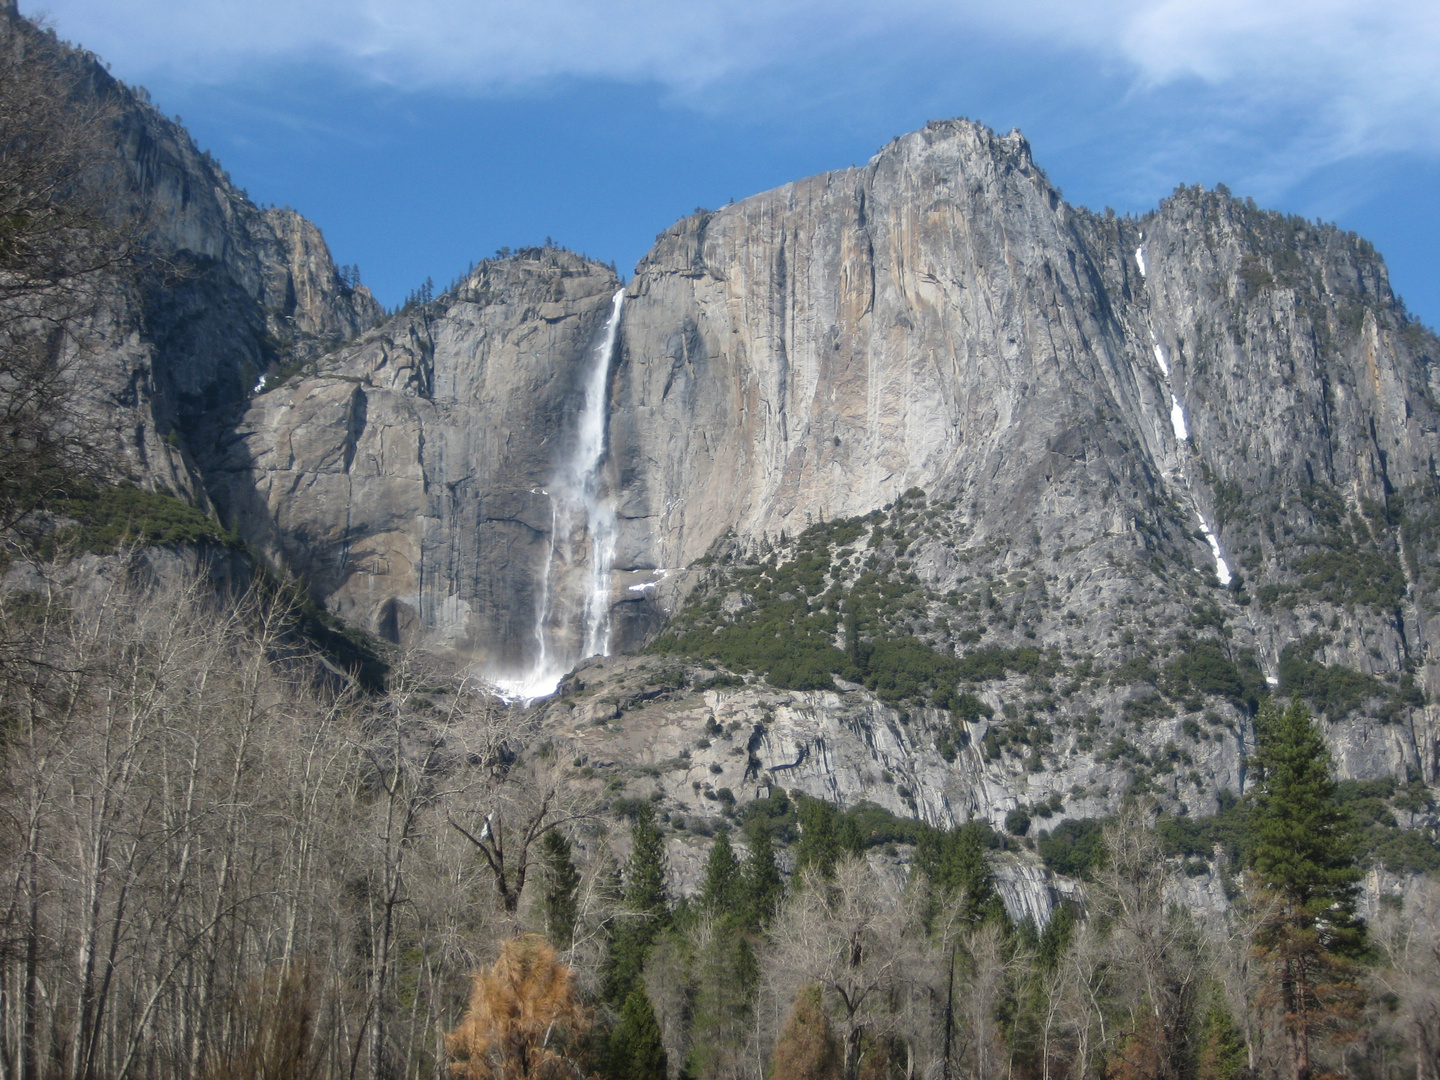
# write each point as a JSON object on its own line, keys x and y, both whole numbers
{"x": 908, "y": 484}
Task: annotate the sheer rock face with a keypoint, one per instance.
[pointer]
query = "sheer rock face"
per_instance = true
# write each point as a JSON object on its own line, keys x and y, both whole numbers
{"x": 404, "y": 481}
{"x": 816, "y": 350}
{"x": 1082, "y": 399}
{"x": 1085, "y": 397}
{"x": 1094, "y": 407}
{"x": 223, "y": 291}
{"x": 941, "y": 319}
{"x": 235, "y": 292}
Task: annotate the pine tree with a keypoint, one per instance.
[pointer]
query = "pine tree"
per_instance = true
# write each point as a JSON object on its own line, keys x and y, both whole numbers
{"x": 1302, "y": 863}
{"x": 808, "y": 1049}
{"x": 954, "y": 862}
{"x": 725, "y": 966}
{"x": 847, "y": 837}
{"x": 819, "y": 844}
{"x": 725, "y": 975}
{"x": 720, "y": 893}
{"x": 764, "y": 888}
{"x": 1053, "y": 941}
{"x": 562, "y": 886}
{"x": 1222, "y": 1053}
{"x": 646, "y": 891}
{"x": 647, "y": 906}
{"x": 637, "y": 1051}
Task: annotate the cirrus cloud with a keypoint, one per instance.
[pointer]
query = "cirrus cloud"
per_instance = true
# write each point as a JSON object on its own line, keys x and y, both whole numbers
{"x": 1361, "y": 73}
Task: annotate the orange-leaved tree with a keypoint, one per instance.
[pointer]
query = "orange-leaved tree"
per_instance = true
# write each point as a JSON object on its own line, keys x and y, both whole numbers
{"x": 808, "y": 1049}
{"x": 524, "y": 1022}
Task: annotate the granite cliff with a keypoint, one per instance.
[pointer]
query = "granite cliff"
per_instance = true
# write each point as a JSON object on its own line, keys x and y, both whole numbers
{"x": 1152, "y": 468}
{"x": 219, "y": 291}
{"x": 1037, "y": 503}
{"x": 404, "y": 479}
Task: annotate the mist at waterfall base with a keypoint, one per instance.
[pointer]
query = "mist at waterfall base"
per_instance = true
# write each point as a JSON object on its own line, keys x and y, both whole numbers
{"x": 570, "y": 628}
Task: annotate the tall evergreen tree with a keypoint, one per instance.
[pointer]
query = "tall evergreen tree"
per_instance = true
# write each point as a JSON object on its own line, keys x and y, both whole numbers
{"x": 819, "y": 845}
{"x": 955, "y": 864}
{"x": 1302, "y": 862}
{"x": 847, "y": 837}
{"x": 647, "y": 907}
{"x": 725, "y": 973}
{"x": 1222, "y": 1053}
{"x": 721, "y": 890}
{"x": 764, "y": 887}
{"x": 636, "y": 1049}
{"x": 725, "y": 968}
{"x": 562, "y": 886}
{"x": 646, "y": 890}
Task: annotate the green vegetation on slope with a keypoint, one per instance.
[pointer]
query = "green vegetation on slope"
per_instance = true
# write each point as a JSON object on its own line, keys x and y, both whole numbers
{"x": 829, "y": 610}
{"x": 1074, "y": 847}
{"x": 106, "y": 518}
{"x": 1335, "y": 691}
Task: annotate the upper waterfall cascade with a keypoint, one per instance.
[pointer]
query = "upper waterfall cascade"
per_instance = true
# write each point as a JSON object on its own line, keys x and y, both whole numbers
{"x": 571, "y": 627}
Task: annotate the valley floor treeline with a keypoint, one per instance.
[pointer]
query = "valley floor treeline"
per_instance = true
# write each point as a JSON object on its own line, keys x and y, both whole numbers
{"x": 222, "y": 860}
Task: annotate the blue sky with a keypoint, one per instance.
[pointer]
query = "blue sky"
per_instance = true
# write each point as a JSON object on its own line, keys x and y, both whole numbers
{"x": 421, "y": 135}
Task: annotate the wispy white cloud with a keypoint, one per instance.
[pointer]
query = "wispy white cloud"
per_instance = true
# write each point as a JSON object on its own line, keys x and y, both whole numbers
{"x": 1362, "y": 72}
{"x": 1368, "y": 70}
{"x": 464, "y": 44}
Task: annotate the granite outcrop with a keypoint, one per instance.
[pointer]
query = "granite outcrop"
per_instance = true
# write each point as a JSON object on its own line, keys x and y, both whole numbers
{"x": 1153, "y": 467}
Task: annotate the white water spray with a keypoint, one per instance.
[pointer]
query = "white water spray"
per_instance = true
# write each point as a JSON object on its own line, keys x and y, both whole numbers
{"x": 1222, "y": 568}
{"x": 576, "y": 501}
{"x": 599, "y": 514}
{"x": 1160, "y": 360}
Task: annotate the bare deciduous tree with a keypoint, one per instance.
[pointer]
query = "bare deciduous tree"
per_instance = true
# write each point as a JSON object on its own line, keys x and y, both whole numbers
{"x": 1152, "y": 947}
{"x": 1409, "y": 939}
{"x": 509, "y": 807}
{"x": 187, "y": 807}
{"x": 855, "y": 936}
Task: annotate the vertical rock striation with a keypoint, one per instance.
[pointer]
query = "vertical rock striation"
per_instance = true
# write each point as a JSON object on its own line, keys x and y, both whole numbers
{"x": 404, "y": 476}
{"x": 1134, "y": 469}
{"x": 1251, "y": 396}
{"x": 219, "y": 292}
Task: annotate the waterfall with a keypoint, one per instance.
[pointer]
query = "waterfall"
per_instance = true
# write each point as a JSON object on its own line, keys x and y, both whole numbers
{"x": 569, "y": 628}
{"x": 599, "y": 513}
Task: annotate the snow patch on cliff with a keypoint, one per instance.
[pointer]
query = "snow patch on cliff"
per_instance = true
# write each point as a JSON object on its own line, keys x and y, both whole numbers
{"x": 1222, "y": 568}
{"x": 1177, "y": 419}
{"x": 1160, "y": 356}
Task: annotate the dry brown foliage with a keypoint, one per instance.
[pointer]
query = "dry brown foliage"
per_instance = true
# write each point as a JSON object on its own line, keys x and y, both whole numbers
{"x": 808, "y": 1049}
{"x": 272, "y": 1032}
{"x": 1141, "y": 1056}
{"x": 523, "y": 1018}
